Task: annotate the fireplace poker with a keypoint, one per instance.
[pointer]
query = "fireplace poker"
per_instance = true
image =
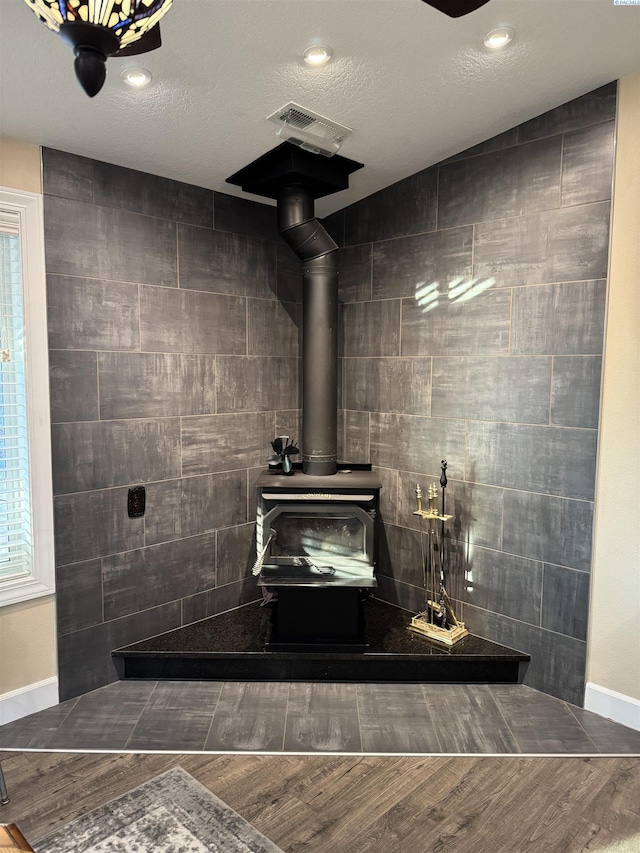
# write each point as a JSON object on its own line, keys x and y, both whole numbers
{"x": 259, "y": 563}
{"x": 443, "y": 484}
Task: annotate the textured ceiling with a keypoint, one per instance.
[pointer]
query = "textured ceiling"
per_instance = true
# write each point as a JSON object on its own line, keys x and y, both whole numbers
{"x": 415, "y": 85}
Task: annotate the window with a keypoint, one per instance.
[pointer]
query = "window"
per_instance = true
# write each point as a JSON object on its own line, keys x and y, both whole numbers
{"x": 26, "y": 502}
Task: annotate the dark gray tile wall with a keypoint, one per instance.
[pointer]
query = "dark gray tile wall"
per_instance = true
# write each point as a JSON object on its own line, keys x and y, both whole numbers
{"x": 586, "y": 173}
{"x": 84, "y": 656}
{"x": 192, "y": 321}
{"x": 155, "y": 385}
{"x": 548, "y": 528}
{"x": 355, "y": 273}
{"x": 474, "y": 296}
{"x": 98, "y": 454}
{"x": 356, "y": 436}
{"x": 591, "y": 109}
{"x": 205, "y": 503}
{"x": 562, "y": 244}
{"x": 401, "y": 267}
{"x": 575, "y": 391}
{"x": 109, "y": 243}
{"x": 473, "y": 329}
{"x": 73, "y": 380}
{"x": 241, "y": 216}
{"x": 174, "y": 340}
{"x": 255, "y": 383}
{"x": 409, "y": 443}
{"x": 475, "y": 189}
{"x": 399, "y": 385}
{"x": 220, "y": 262}
{"x": 105, "y": 314}
{"x": 478, "y": 327}
{"x": 562, "y": 319}
{"x": 407, "y": 207}
{"x": 273, "y": 327}
{"x": 505, "y": 389}
{"x": 139, "y": 580}
{"x": 532, "y": 458}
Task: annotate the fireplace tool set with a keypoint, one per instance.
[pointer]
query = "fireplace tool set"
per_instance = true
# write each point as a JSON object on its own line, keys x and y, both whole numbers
{"x": 437, "y": 621}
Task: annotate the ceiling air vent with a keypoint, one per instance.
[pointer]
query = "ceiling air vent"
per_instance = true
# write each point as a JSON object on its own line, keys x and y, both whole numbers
{"x": 309, "y": 130}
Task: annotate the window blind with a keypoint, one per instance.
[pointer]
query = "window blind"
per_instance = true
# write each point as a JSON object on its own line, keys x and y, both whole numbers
{"x": 16, "y": 547}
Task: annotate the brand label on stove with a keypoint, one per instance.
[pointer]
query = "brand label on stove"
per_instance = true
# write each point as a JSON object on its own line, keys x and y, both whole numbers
{"x": 315, "y": 496}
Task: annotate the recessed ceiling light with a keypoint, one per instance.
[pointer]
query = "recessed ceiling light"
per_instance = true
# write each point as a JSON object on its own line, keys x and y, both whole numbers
{"x": 137, "y": 78}
{"x": 317, "y": 54}
{"x": 499, "y": 37}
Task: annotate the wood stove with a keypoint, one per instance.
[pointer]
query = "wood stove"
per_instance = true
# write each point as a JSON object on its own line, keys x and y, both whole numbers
{"x": 316, "y": 529}
{"x": 317, "y": 541}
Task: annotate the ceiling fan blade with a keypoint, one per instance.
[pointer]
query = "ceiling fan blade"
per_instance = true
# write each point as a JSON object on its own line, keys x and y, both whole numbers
{"x": 456, "y": 8}
{"x": 150, "y": 41}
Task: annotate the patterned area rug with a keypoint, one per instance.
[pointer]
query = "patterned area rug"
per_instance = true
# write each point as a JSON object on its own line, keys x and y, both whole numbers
{"x": 172, "y": 813}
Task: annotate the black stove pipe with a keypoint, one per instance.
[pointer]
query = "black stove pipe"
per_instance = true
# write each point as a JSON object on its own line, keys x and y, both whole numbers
{"x": 313, "y": 245}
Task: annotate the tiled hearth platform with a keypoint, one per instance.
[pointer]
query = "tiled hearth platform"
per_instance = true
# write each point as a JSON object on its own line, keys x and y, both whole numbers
{"x": 231, "y": 646}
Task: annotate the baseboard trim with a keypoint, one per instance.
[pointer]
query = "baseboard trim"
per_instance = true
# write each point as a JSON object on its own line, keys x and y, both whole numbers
{"x": 27, "y": 700}
{"x": 614, "y": 706}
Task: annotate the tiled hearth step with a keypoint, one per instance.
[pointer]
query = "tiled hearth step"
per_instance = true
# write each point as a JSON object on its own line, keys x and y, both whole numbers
{"x": 231, "y": 646}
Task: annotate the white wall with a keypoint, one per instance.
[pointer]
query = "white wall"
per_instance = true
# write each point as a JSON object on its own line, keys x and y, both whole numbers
{"x": 613, "y": 662}
{"x": 27, "y": 630}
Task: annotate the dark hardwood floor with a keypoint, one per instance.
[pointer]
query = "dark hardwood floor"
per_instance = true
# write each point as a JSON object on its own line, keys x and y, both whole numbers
{"x": 366, "y": 804}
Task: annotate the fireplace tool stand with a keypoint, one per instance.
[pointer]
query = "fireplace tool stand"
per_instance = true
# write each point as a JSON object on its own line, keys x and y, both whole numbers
{"x": 438, "y": 621}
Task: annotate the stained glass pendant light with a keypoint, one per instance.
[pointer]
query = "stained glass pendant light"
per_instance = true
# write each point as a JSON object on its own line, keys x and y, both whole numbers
{"x": 96, "y": 29}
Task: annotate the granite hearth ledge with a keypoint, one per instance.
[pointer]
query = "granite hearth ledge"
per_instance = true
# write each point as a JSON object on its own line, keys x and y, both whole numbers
{"x": 231, "y": 646}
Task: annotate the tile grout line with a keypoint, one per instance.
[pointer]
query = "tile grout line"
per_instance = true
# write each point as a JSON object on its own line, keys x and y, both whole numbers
{"x": 358, "y": 686}
{"x": 436, "y": 230}
{"x": 286, "y": 718}
{"x": 144, "y": 708}
{"x": 561, "y": 175}
{"x": 177, "y": 255}
{"x": 57, "y": 729}
{"x": 506, "y": 722}
{"x": 410, "y": 297}
{"x": 208, "y": 734}
{"x": 569, "y": 708}
{"x": 431, "y": 717}
{"x": 101, "y": 591}
{"x": 509, "y": 351}
{"x": 473, "y": 249}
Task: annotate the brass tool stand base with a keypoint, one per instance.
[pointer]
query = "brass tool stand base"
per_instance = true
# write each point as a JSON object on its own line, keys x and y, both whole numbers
{"x": 445, "y": 636}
